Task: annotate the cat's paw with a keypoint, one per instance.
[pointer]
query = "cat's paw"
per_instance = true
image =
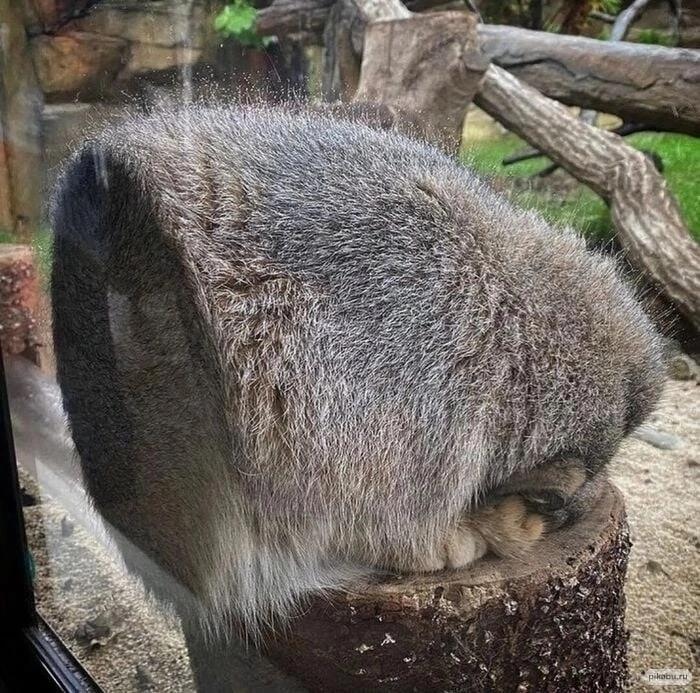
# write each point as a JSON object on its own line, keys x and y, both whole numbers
{"x": 461, "y": 546}
{"x": 508, "y": 527}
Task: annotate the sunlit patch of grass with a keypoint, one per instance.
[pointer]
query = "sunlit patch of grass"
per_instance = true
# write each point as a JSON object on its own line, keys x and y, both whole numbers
{"x": 584, "y": 209}
{"x": 681, "y": 157}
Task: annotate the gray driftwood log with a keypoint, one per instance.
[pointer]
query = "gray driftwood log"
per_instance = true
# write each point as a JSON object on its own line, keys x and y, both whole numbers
{"x": 656, "y": 85}
{"x": 551, "y": 623}
{"x": 646, "y": 216}
{"x": 639, "y": 83}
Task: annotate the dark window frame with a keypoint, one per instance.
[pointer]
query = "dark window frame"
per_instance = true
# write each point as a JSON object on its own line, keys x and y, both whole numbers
{"x": 32, "y": 657}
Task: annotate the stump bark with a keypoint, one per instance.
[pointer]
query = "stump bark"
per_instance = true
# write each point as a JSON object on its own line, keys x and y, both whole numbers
{"x": 553, "y": 622}
{"x": 20, "y": 302}
{"x": 429, "y": 65}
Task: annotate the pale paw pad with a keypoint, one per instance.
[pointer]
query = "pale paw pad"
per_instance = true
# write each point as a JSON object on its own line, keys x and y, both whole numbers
{"x": 508, "y": 527}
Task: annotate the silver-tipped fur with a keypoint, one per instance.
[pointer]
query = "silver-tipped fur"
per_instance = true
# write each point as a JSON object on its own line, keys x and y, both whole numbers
{"x": 295, "y": 349}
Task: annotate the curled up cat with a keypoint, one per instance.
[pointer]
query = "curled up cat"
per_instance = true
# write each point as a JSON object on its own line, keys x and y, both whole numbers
{"x": 295, "y": 349}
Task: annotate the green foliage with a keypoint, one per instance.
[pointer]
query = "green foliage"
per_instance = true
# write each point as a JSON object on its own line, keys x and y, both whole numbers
{"x": 42, "y": 242}
{"x": 581, "y": 208}
{"x": 653, "y": 37}
{"x": 238, "y": 21}
{"x": 502, "y": 12}
{"x": 608, "y": 6}
{"x": 520, "y": 12}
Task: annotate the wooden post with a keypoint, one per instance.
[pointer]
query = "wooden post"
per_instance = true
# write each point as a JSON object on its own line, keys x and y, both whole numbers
{"x": 21, "y": 101}
{"x": 553, "y": 622}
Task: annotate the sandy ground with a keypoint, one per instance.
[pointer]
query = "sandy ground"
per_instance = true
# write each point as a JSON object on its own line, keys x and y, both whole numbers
{"x": 663, "y": 581}
{"x": 125, "y": 641}
{"x": 128, "y": 644}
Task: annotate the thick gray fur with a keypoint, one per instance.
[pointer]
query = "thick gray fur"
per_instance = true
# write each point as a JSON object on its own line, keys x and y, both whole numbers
{"x": 295, "y": 349}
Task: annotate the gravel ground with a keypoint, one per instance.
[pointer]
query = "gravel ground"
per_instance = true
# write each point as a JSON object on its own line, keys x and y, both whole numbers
{"x": 128, "y": 644}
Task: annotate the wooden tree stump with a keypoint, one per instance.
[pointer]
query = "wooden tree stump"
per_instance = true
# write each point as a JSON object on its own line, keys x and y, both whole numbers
{"x": 25, "y": 323}
{"x": 553, "y": 622}
{"x": 429, "y": 65}
{"x": 19, "y": 300}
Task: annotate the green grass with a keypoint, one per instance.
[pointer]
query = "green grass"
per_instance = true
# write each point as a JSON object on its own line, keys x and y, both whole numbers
{"x": 585, "y": 210}
{"x": 681, "y": 157}
{"x": 43, "y": 248}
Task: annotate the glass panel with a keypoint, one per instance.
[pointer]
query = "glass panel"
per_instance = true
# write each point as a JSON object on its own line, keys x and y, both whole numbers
{"x": 121, "y": 636}
{"x": 68, "y": 69}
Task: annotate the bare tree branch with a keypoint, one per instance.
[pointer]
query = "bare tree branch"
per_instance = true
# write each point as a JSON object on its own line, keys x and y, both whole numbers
{"x": 646, "y": 216}
{"x": 626, "y": 18}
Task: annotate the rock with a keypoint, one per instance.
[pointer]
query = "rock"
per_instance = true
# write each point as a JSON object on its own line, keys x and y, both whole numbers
{"x": 47, "y": 15}
{"x": 92, "y": 630}
{"x": 67, "y": 526}
{"x": 28, "y": 499}
{"x": 682, "y": 367}
{"x": 147, "y": 57}
{"x": 21, "y": 101}
{"x": 655, "y": 568}
{"x": 659, "y": 439}
{"x": 144, "y": 679}
{"x": 78, "y": 62}
{"x": 97, "y": 632}
{"x": 170, "y": 23}
{"x": 96, "y": 56}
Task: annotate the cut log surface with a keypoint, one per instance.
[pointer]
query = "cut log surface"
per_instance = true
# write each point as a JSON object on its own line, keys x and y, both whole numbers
{"x": 654, "y": 85}
{"x": 429, "y": 65}
{"x": 19, "y": 299}
{"x": 553, "y": 622}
